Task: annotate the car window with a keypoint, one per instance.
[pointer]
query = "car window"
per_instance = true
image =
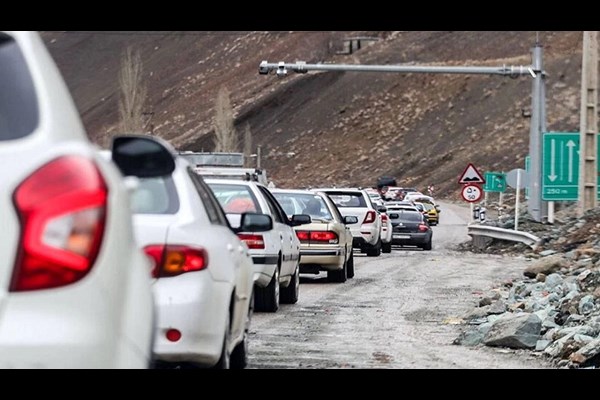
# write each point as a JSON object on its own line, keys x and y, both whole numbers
{"x": 411, "y": 216}
{"x": 215, "y": 213}
{"x": 312, "y": 204}
{"x": 278, "y": 213}
{"x": 235, "y": 199}
{"x": 155, "y": 196}
{"x": 18, "y": 103}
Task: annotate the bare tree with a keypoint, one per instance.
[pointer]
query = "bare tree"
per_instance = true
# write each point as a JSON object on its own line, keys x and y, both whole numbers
{"x": 225, "y": 135}
{"x": 133, "y": 92}
{"x": 247, "y": 144}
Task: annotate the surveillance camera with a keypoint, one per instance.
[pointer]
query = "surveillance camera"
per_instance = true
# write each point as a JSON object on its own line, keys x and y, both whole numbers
{"x": 281, "y": 70}
{"x": 263, "y": 69}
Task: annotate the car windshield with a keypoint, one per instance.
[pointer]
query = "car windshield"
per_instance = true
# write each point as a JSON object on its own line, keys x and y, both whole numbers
{"x": 310, "y": 204}
{"x": 18, "y": 103}
{"x": 155, "y": 196}
{"x": 235, "y": 199}
{"x": 410, "y": 216}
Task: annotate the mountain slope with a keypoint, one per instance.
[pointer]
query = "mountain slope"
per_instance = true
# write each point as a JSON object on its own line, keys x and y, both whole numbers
{"x": 345, "y": 128}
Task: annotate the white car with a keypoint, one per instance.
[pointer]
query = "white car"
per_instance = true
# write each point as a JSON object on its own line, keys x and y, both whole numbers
{"x": 203, "y": 271}
{"x": 356, "y": 202}
{"x": 75, "y": 289}
{"x": 386, "y": 230}
{"x": 326, "y": 243}
{"x": 276, "y": 254}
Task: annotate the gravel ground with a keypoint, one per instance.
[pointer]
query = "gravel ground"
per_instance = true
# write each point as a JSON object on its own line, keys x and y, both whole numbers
{"x": 400, "y": 311}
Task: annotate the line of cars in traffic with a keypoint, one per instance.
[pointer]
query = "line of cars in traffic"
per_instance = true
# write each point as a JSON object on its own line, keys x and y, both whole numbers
{"x": 129, "y": 258}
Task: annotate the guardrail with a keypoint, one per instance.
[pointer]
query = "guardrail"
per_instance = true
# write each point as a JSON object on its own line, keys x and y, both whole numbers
{"x": 476, "y": 230}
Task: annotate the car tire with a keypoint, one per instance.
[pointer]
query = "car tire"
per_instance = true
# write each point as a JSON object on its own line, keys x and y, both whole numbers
{"x": 350, "y": 266}
{"x": 289, "y": 294}
{"x": 427, "y": 246}
{"x": 340, "y": 275}
{"x": 239, "y": 355}
{"x": 267, "y": 298}
{"x": 375, "y": 251}
{"x": 386, "y": 247}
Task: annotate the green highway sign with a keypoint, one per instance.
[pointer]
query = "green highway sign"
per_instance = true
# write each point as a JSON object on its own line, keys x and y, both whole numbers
{"x": 495, "y": 182}
{"x": 560, "y": 166}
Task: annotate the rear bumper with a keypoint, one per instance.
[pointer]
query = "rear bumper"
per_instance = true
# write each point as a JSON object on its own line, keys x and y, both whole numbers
{"x": 410, "y": 238}
{"x": 322, "y": 259}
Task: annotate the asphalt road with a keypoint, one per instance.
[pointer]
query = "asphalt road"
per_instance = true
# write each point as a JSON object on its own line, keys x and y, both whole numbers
{"x": 398, "y": 311}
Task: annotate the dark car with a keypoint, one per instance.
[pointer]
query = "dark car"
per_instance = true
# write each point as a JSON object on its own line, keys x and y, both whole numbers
{"x": 410, "y": 228}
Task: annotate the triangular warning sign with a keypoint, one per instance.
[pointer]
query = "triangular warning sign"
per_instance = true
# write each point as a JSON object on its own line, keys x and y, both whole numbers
{"x": 471, "y": 175}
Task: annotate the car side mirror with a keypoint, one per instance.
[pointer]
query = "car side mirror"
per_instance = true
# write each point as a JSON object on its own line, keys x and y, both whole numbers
{"x": 438, "y": 209}
{"x": 381, "y": 209}
{"x": 300, "y": 219}
{"x": 143, "y": 156}
{"x": 255, "y": 222}
{"x": 350, "y": 219}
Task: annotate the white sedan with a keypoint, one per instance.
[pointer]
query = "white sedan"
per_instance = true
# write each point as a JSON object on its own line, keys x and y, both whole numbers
{"x": 203, "y": 271}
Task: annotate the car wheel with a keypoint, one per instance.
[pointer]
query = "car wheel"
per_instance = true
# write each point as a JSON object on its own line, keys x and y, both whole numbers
{"x": 239, "y": 355}
{"x": 267, "y": 299}
{"x": 350, "y": 265}
{"x": 386, "y": 247}
{"x": 338, "y": 276}
{"x": 289, "y": 295}
{"x": 375, "y": 251}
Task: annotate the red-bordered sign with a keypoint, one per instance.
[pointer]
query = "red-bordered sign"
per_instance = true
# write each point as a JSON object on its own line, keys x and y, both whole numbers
{"x": 471, "y": 175}
{"x": 471, "y": 193}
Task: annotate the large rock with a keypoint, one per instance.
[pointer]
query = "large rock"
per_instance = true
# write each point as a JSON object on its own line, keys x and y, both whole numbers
{"x": 588, "y": 351}
{"x": 546, "y": 265}
{"x": 515, "y": 330}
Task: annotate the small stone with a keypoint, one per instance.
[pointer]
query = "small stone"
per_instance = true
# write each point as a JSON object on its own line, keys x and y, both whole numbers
{"x": 596, "y": 293}
{"x": 477, "y": 313}
{"x": 515, "y": 331}
{"x": 542, "y": 344}
{"x": 552, "y": 281}
{"x": 540, "y": 277}
{"x": 577, "y": 358}
{"x": 585, "y": 339}
{"x": 586, "y": 304}
{"x": 486, "y": 301}
{"x": 546, "y": 265}
{"x": 546, "y": 253}
{"x": 497, "y": 307}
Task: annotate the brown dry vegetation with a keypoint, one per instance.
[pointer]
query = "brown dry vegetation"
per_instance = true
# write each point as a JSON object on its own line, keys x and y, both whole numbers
{"x": 345, "y": 128}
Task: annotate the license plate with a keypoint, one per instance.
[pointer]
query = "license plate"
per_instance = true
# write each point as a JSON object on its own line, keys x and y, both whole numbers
{"x": 401, "y": 237}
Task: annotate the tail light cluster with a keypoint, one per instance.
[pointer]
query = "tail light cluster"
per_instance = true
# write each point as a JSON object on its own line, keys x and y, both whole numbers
{"x": 318, "y": 237}
{"x": 62, "y": 210}
{"x": 253, "y": 241}
{"x": 423, "y": 228}
{"x": 370, "y": 217}
{"x": 173, "y": 260}
{"x": 384, "y": 218}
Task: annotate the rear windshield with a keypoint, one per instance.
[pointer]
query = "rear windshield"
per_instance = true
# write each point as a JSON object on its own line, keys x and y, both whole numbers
{"x": 410, "y": 216}
{"x": 347, "y": 199}
{"x": 235, "y": 199}
{"x": 155, "y": 196}
{"x": 18, "y": 104}
{"x": 304, "y": 203}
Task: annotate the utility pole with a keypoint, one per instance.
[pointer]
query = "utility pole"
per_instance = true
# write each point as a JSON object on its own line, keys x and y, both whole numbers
{"x": 258, "y": 155}
{"x": 537, "y": 208}
{"x": 588, "y": 125}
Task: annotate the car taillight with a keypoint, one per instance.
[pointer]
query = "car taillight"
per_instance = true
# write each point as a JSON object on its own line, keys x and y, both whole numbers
{"x": 304, "y": 236}
{"x": 173, "y": 260}
{"x": 62, "y": 210}
{"x": 384, "y": 218}
{"x": 252, "y": 241}
{"x": 423, "y": 228}
{"x": 370, "y": 217}
{"x": 327, "y": 236}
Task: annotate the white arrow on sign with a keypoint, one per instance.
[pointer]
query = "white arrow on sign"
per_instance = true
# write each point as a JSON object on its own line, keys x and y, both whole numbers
{"x": 570, "y": 145}
{"x": 561, "y": 160}
{"x": 552, "y": 175}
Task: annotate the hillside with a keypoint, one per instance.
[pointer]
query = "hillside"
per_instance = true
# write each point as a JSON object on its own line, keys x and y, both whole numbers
{"x": 345, "y": 128}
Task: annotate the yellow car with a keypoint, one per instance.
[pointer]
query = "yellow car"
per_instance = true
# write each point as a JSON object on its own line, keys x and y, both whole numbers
{"x": 431, "y": 213}
{"x": 325, "y": 243}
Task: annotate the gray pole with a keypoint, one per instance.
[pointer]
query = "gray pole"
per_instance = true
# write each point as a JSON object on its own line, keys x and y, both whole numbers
{"x": 258, "y": 151}
{"x": 535, "y": 206}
